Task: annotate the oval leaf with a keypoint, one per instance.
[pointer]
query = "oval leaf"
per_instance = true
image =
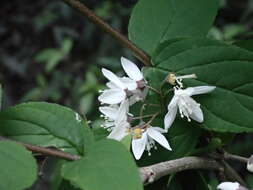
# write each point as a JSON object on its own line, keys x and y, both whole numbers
{"x": 46, "y": 124}
{"x": 108, "y": 165}
{"x": 18, "y": 167}
{"x": 152, "y": 21}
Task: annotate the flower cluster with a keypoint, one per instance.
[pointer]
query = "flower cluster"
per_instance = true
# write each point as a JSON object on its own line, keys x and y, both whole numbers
{"x": 124, "y": 91}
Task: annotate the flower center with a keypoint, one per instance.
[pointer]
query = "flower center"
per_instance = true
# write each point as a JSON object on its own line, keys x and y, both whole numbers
{"x": 136, "y": 133}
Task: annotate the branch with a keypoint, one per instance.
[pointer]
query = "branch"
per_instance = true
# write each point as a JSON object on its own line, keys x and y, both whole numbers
{"x": 228, "y": 156}
{"x": 76, "y": 4}
{"x": 45, "y": 151}
{"x": 149, "y": 174}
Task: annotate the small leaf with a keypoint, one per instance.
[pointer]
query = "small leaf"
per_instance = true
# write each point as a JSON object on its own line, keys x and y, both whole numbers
{"x": 67, "y": 45}
{"x": 18, "y": 167}
{"x": 107, "y": 165}
{"x": 46, "y": 124}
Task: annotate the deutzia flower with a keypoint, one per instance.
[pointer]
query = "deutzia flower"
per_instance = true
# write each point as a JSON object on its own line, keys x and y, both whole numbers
{"x": 113, "y": 95}
{"x": 116, "y": 120}
{"x": 144, "y": 138}
{"x": 132, "y": 87}
{"x": 187, "y": 106}
{"x": 230, "y": 186}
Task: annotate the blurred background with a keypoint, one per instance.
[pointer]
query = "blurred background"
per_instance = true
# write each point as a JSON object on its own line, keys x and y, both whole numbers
{"x": 49, "y": 52}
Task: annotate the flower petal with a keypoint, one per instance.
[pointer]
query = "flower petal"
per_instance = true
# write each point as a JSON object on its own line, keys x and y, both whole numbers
{"x": 171, "y": 114}
{"x": 158, "y": 137}
{"x": 109, "y": 112}
{"x": 129, "y": 83}
{"x": 199, "y": 90}
{"x": 113, "y": 78}
{"x": 197, "y": 114}
{"x": 122, "y": 112}
{"x": 170, "y": 117}
{"x": 112, "y": 96}
{"x": 111, "y": 85}
{"x": 119, "y": 132}
{"x": 138, "y": 146}
{"x": 228, "y": 186}
{"x": 131, "y": 69}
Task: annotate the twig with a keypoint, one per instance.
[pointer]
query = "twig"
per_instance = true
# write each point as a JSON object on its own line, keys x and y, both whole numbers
{"x": 76, "y": 4}
{"x": 45, "y": 151}
{"x": 228, "y": 156}
{"x": 154, "y": 172}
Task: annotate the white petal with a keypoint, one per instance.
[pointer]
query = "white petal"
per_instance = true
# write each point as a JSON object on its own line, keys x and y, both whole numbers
{"x": 119, "y": 132}
{"x": 131, "y": 69}
{"x": 170, "y": 117}
{"x": 197, "y": 115}
{"x": 111, "y": 85}
{"x": 109, "y": 112}
{"x": 173, "y": 102}
{"x": 228, "y": 186}
{"x": 158, "y": 137}
{"x": 113, "y": 78}
{"x": 112, "y": 96}
{"x": 129, "y": 83}
{"x": 122, "y": 112}
{"x": 199, "y": 90}
{"x": 138, "y": 146}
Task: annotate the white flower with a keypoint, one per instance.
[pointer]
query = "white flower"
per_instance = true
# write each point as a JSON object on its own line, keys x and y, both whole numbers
{"x": 113, "y": 95}
{"x": 229, "y": 186}
{"x": 144, "y": 139}
{"x": 188, "y": 107}
{"x": 116, "y": 120}
{"x": 126, "y": 87}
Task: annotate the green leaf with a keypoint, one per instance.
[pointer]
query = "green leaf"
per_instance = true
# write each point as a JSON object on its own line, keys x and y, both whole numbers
{"x": 152, "y": 21}
{"x": 246, "y": 44}
{"x": 46, "y": 124}
{"x": 229, "y": 108}
{"x": 18, "y": 167}
{"x": 108, "y": 165}
{"x": 127, "y": 141}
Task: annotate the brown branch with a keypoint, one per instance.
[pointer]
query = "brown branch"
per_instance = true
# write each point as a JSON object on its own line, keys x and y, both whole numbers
{"x": 45, "y": 151}
{"x": 76, "y": 4}
{"x": 154, "y": 172}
